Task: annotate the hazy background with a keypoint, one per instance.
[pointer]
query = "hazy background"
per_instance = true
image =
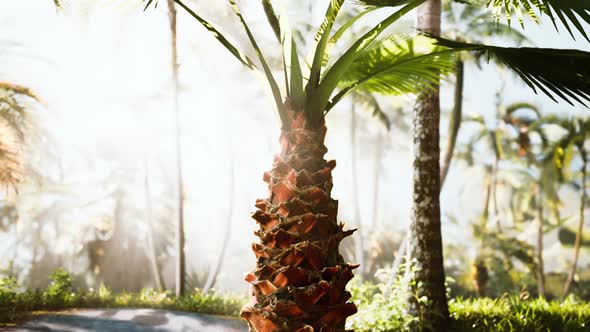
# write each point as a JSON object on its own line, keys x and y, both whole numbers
{"x": 103, "y": 70}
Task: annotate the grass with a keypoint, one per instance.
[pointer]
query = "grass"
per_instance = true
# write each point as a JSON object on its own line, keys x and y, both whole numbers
{"x": 380, "y": 307}
{"x": 60, "y": 295}
{"x": 513, "y": 314}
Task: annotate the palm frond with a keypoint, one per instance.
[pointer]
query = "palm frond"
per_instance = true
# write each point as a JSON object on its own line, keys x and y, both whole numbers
{"x": 568, "y": 12}
{"x": 319, "y": 98}
{"x": 14, "y": 125}
{"x": 371, "y": 104}
{"x": 272, "y": 18}
{"x": 561, "y": 73}
{"x": 276, "y": 92}
{"x": 394, "y": 66}
{"x": 239, "y": 55}
{"x": 321, "y": 39}
{"x": 382, "y": 3}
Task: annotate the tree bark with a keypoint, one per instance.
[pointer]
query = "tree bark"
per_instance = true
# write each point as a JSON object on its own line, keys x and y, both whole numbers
{"x": 570, "y": 278}
{"x": 359, "y": 246}
{"x": 541, "y": 267}
{"x": 454, "y": 122}
{"x": 425, "y": 246}
{"x": 299, "y": 281}
{"x": 180, "y": 236}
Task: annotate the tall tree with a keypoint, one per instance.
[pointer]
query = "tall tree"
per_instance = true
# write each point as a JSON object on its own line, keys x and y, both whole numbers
{"x": 300, "y": 277}
{"x": 180, "y": 236}
{"x": 425, "y": 245}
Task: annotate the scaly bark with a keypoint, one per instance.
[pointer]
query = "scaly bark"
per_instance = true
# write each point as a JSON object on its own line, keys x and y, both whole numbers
{"x": 425, "y": 246}
{"x": 180, "y": 237}
{"x": 300, "y": 277}
{"x": 570, "y": 278}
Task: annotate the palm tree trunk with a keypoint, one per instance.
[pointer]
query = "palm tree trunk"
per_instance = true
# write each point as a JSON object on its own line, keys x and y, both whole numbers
{"x": 425, "y": 247}
{"x": 359, "y": 245}
{"x": 541, "y": 267}
{"x": 152, "y": 255}
{"x": 180, "y": 236}
{"x": 454, "y": 122}
{"x": 570, "y": 278}
{"x": 300, "y": 277}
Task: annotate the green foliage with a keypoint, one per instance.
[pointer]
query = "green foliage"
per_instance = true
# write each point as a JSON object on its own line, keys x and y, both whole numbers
{"x": 568, "y": 12}
{"x": 60, "y": 291}
{"x": 566, "y": 78}
{"x": 380, "y": 309}
{"x": 514, "y": 314}
{"x": 61, "y": 295}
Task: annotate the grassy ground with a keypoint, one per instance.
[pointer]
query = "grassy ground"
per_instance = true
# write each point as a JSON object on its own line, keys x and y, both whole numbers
{"x": 60, "y": 295}
{"x": 377, "y": 312}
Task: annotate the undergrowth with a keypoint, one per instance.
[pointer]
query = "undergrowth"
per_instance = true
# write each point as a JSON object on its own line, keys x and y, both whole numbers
{"x": 61, "y": 295}
{"x": 381, "y": 306}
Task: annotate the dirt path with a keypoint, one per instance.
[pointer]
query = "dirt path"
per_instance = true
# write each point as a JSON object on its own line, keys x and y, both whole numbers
{"x": 132, "y": 320}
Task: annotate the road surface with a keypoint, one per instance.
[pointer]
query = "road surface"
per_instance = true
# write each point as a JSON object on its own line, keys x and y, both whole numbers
{"x": 132, "y": 320}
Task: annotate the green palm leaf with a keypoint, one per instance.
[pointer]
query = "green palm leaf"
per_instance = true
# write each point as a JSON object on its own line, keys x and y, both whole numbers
{"x": 216, "y": 33}
{"x": 319, "y": 98}
{"x": 557, "y": 73}
{"x": 394, "y": 67}
{"x": 568, "y": 12}
{"x": 272, "y": 18}
{"x": 383, "y": 3}
{"x": 371, "y": 103}
{"x": 322, "y": 38}
{"x": 276, "y": 92}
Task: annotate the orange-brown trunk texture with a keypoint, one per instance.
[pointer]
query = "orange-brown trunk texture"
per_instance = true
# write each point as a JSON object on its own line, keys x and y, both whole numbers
{"x": 300, "y": 278}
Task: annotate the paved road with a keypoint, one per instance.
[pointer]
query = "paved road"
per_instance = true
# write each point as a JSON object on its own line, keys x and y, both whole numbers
{"x": 132, "y": 320}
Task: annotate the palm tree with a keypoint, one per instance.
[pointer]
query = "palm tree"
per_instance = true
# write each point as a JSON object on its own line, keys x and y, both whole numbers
{"x": 299, "y": 282}
{"x": 15, "y": 125}
{"x": 574, "y": 139}
{"x": 540, "y": 189}
{"x": 180, "y": 236}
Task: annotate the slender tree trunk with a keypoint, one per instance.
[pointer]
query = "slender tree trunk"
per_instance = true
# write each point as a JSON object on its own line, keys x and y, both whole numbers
{"x": 425, "y": 246}
{"x": 495, "y": 193}
{"x": 152, "y": 255}
{"x": 541, "y": 267}
{"x": 570, "y": 278}
{"x": 480, "y": 271}
{"x": 454, "y": 122}
{"x": 377, "y": 180}
{"x": 212, "y": 278}
{"x": 180, "y": 236}
{"x": 359, "y": 244}
{"x": 300, "y": 278}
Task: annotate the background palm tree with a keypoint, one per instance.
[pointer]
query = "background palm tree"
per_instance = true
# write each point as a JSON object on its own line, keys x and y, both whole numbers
{"x": 15, "y": 125}
{"x": 574, "y": 140}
